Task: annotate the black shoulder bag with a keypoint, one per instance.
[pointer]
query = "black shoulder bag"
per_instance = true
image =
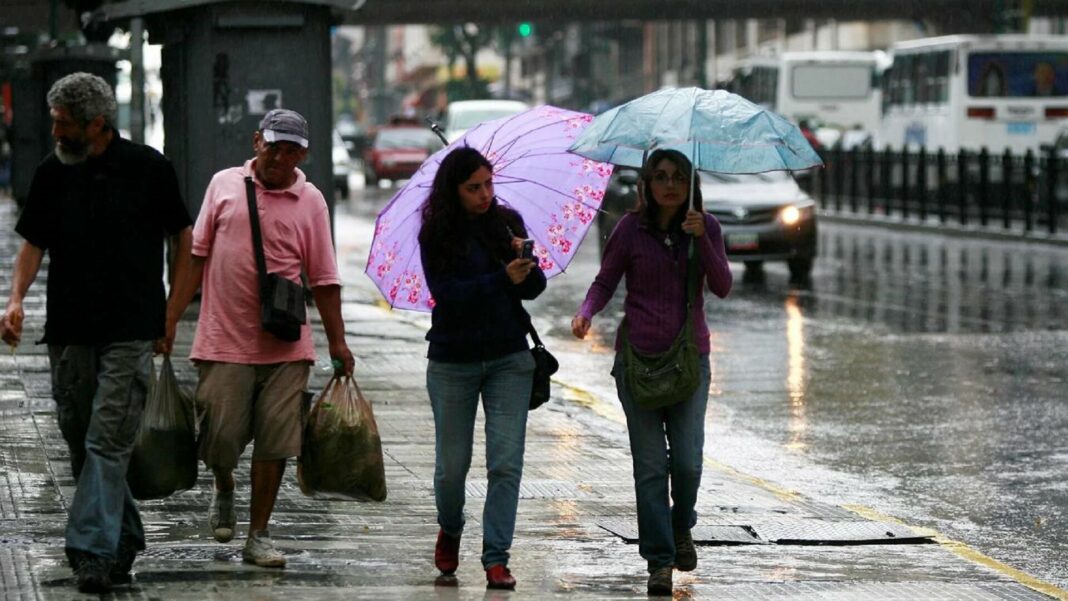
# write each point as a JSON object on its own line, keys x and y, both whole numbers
{"x": 545, "y": 365}
{"x": 282, "y": 310}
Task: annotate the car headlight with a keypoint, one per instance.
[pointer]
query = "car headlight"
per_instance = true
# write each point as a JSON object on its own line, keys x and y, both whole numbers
{"x": 791, "y": 215}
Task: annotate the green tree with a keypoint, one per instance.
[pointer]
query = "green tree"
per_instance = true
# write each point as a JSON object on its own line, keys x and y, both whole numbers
{"x": 462, "y": 42}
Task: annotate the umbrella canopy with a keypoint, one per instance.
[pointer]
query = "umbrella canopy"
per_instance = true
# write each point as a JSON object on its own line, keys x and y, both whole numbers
{"x": 718, "y": 131}
{"x": 557, "y": 193}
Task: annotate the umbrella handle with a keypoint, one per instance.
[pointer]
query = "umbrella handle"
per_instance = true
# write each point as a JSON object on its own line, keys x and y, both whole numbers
{"x": 693, "y": 177}
{"x": 434, "y": 127}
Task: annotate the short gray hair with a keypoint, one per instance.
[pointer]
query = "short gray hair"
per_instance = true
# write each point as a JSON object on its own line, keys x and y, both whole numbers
{"x": 86, "y": 97}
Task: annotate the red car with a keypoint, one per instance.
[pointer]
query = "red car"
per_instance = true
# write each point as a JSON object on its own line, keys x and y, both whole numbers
{"x": 397, "y": 152}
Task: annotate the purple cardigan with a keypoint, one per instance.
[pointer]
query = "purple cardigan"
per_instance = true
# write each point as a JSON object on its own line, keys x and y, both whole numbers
{"x": 653, "y": 307}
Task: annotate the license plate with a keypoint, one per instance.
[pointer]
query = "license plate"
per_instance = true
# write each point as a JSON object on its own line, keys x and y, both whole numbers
{"x": 1021, "y": 128}
{"x": 742, "y": 242}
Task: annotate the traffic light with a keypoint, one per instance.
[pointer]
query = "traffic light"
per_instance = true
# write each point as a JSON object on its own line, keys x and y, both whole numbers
{"x": 525, "y": 29}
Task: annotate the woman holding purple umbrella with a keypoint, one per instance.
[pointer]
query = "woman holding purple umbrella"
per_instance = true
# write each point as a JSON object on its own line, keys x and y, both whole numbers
{"x": 478, "y": 347}
{"x": 650, "y": 247}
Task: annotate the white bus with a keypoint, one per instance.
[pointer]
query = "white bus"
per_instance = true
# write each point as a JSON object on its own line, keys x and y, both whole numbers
{"x": 971, "y": 91}
{"x": 835, "y": 91}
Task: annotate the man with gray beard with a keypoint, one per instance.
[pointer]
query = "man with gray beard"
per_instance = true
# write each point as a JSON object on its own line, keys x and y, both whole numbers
{"x": 100, "y": 206}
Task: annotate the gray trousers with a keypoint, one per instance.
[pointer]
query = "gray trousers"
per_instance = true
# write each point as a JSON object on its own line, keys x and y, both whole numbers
{"x": 100, "y": 394}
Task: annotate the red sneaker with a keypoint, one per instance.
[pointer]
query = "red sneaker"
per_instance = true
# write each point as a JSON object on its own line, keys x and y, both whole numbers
{"x": 498, "y": 576}
{"x": 447, "y": 553}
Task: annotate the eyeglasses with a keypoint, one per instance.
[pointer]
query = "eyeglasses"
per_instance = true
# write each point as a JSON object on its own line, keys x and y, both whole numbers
{"x": 677, "y": 178}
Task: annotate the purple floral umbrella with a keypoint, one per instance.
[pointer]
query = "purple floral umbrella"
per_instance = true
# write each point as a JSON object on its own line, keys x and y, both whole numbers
{"x": 557, "y": 193}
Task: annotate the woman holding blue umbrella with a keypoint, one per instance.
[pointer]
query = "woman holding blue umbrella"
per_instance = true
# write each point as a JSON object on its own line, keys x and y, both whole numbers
{"x": 652, "y": 246}
{"x": 470, "y": 247}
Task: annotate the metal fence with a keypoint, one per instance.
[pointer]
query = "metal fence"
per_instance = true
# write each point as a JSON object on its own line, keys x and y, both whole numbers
{"x": 1012, "y": 192}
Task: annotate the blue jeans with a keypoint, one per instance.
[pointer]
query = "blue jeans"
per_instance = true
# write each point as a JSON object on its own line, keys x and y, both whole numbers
{"x": 665, "y": 444}
{"x": 454, "y": 389}
{"x": 100, "y": 394}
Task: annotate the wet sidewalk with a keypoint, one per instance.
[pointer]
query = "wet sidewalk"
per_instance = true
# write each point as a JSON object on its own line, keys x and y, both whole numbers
{"x": 574, "y": 536}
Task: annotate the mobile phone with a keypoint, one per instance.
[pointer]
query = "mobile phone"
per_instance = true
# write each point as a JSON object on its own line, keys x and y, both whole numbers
{"x": 528, "y": 249}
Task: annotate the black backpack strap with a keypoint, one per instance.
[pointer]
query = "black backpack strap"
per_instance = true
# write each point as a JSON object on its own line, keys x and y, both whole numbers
{"x": 257, "y": 238}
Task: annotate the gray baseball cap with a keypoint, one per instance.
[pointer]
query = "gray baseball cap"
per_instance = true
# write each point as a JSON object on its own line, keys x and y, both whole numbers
{"x": 284, "y": 125}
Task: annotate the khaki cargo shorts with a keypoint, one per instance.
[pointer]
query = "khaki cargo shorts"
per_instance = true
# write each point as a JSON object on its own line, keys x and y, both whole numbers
{"x": 240, "y": 403}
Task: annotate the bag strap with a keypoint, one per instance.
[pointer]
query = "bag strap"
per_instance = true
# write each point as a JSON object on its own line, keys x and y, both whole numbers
{"x": 524, "y": 317}
{"x": 257, "y": 238}
{"x": 692, "y": 275}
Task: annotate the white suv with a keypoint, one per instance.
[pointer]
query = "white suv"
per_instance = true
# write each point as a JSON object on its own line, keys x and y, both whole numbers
{"x": 462, "y": 115}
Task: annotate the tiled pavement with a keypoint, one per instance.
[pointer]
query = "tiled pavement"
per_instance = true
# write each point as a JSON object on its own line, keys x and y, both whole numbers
{"x": 577, "y": 487}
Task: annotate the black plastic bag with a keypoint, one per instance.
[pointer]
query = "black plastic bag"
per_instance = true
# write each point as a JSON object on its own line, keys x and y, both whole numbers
{"x": 164, "y": 458}
{"x": 341, "y": 456}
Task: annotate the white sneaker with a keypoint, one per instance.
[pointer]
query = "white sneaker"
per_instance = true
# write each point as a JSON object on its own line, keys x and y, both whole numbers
{"x": 261, "y": 551}
{"x": 221, "y": 516}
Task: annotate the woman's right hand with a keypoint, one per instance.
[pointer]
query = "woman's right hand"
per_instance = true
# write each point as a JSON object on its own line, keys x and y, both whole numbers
{"x": 580, "y": 326}
{"x": 11, "y": 324}
{"x": 519, "y": 269}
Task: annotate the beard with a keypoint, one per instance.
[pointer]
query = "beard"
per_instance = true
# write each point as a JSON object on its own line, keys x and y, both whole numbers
{"x": 71, "y": 153}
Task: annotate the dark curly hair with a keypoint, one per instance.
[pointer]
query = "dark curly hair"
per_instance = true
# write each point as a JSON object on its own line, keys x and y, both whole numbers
{"x": 647, "y": 207}
{"x": 446, "y": 229}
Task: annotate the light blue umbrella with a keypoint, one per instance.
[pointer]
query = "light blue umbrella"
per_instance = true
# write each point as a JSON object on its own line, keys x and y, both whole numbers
{"x": 718, "y": 131}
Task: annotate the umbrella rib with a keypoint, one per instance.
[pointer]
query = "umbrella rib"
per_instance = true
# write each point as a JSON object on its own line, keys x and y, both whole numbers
{"x": 538, "y": 184}
{"x": 548, "y": 247}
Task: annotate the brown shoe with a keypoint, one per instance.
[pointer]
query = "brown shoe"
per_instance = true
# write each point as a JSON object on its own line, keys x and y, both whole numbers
{"x": 93, "y": 574}
{"x": 447, "y": 553}
{"x": 660, "y": 582}
{"x": 498, "y": 576}
{"x": 685, "y": 552}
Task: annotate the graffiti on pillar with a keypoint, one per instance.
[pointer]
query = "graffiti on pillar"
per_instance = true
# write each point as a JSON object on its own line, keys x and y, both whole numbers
{"x": 226, "y": 111}
{"x": 260, "y": 102}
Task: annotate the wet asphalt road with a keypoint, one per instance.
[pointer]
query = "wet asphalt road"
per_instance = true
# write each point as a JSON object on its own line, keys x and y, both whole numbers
{"x": 919, "y": 375}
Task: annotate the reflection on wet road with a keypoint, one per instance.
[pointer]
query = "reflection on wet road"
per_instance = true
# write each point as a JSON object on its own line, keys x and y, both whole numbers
{"x": 923, "y": 376}
{"x": 926, "y": 375}
{"x": 919, "y": 283}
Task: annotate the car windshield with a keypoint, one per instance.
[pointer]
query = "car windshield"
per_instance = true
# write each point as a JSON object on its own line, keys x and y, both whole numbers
{"x": 414, "y": 137}
{"x": 468, "y": 119}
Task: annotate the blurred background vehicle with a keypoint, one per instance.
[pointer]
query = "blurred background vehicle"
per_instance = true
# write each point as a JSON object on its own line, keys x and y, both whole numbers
{"x": 353, "y": 135}
{"x": 342, "y": 165}
{"x": 764, "y": 216}
{"x": 462, "y": 115}
{"x": 396, "y": 152}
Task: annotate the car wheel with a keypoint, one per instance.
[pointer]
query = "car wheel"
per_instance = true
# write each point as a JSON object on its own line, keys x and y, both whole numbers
{"x": 754, "y": 266}
{"x": 370, "y": 178}
{"x": 343, "y": 190}
{"x": 800, "y": 267}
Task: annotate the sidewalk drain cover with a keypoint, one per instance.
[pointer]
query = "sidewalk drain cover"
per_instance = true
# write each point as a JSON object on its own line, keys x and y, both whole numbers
{"x": 702, "y": 535}
{"x": 822, "y": 532}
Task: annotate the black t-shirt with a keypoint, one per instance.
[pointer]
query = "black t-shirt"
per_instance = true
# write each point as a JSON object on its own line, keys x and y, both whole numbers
{"x": 103, "y": 223}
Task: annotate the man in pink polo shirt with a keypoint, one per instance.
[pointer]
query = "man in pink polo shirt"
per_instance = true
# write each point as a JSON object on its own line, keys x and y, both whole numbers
{"x": 252, "y": 383}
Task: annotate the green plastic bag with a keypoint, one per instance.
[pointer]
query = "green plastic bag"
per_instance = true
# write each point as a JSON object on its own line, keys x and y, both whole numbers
{"x": 341, "y": 456}
{"x": 164, "y": 458}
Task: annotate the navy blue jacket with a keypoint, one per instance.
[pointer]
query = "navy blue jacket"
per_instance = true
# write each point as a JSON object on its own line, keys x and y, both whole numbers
{"x": 475, "y": 315}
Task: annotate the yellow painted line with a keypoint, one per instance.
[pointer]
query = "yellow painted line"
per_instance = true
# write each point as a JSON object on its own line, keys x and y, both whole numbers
{"x": 591, "y": 401}
{"x": 783, "y": 493}
{"x": 964, "y": 551}
{"x": 584, "y": 398}
{"x": 587, "y": 399}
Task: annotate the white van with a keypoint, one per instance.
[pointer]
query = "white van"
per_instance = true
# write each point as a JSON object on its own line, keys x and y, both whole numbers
{"x": 462, "y": 115}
